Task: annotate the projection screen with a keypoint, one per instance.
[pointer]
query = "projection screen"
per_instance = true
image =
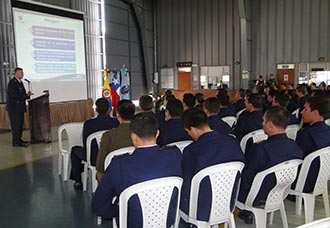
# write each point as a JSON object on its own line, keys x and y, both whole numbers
{"x": 51, "y": 50}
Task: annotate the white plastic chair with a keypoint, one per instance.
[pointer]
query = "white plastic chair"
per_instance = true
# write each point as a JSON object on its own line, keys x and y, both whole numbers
{"x": 240, "y": 112}
{"x": 291, "y": 131}
{"x": 327, "y": 122}
{"x": 87, "y": 164}
{"x": 321, "y": 184}
{"x": 285, "y": 174}
{"x": 74, "y": 133}
{"x": 155, "y": 197}
{"x": 257, "y": 136}
{"x": 230, "y": 120}
{"x": 222, "y": 178}
{"x": 124, "y": 150}
{"x": 296, "y": 113}
{"x": 322, "y": 223}
{"x": 181, "y": 144}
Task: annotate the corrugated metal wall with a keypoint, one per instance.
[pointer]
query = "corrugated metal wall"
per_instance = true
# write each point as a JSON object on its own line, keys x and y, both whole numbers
{"x": 288, "y": 31}
{"x": 204, "y": 32}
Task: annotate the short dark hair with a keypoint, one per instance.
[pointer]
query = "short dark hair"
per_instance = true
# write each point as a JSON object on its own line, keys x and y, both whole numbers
{"x": 320, "y": 104}
{"x": 17, "y": 69}
{"x": 302, "y": 89}
{"x": 279, "y": 115}
{"x": 146, "y": 103}
{"x": 200, "y": 98}
{"x": 255, "y": 99}
{"x": 175, "y": 108}
{"x": 144, "y": 125}
{"x": 212, "y": 105}
{"x": 282, "y": 99}
{"x": 126, "y": 109}
{"x": 224, "y": 100}
{"x": 194, "y": 117}
{"x": 242, "y": 92}
{"x": 189, "y": 99}
{"x": 169, "y": 97}
{"x": 102, "y": 106}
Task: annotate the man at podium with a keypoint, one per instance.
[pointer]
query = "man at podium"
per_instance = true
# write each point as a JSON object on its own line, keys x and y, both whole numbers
{"x": 16, "y": 96}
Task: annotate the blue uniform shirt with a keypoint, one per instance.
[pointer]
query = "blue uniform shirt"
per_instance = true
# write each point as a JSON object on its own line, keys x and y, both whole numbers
{"x": 211, "y": 148}
{"x": 248, "y": 122}
{"x": 145, "y": 163}
{"x": 276, "y": 149}
{"x": 172, "y": 131}
{"x": 217, "y": 124}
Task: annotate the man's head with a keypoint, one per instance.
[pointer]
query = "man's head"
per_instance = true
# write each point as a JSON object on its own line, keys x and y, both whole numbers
{"x": 125, "y": 110}
{"x": 174, "y": 109}
{"x": 146, "y": 104}
{"x": 314, "y": 109}
{"x": 19, "y": 73}
{"x": 144, "y": 129}
{"x": 281, "y": 99}
{"x": 188, "y": 100}
{"x": 275, "y": 120}
{"x": 211, "y": 106}
{"x": 301, "y": 90}
{"x": 195, "y": 122}
{"x": 102, "y": 106}
{"x": 253, "y": 102}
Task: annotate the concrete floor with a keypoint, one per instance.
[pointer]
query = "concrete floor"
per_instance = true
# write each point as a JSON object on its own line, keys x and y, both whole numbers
{"x": 33, "y": 195}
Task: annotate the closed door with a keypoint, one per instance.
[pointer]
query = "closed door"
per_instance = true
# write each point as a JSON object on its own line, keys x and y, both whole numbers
{"x": 184, "y": 81}
{"x": 285, "y": 76}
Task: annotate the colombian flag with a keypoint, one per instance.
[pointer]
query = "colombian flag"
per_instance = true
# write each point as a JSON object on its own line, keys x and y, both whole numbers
{"x": 106, "y": 91}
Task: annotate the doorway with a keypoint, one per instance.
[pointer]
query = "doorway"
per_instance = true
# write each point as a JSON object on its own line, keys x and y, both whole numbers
{"x": 184, "y": 79}
{"x": 285, "y": 74}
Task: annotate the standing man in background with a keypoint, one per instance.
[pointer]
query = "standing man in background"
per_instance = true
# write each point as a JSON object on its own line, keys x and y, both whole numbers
{"x": 16, "y": 96}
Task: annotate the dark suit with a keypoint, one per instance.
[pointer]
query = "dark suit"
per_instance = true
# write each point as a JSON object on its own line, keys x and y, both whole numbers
{"x": 145, "y": 163}
{"x": 266, "y": 154}
{"x": 16, "y": 96}
{"x": 248, "y": 122}
{"x": 78, "y": 153}
{"x": 310, "y": 139}
{"x": 211, "y": 148}
{"x": 172, "y": 131}
{"x": 217, "y": 124}
{"x": 239, "y": 105}
{"x": 227, "y": 111}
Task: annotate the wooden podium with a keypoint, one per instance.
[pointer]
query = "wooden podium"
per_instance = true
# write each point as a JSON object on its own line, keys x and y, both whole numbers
{"x": 39, "y": 119}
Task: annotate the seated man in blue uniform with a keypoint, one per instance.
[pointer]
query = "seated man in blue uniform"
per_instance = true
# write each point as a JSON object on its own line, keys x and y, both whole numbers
{"x": 239, "y": 100}
{"x": 148, "y": 161}
{"x": 172, "y": 129}
{"x": 210, "y": 148}
{"x": 226, "y": 109}
{"x": 211, "y": 108}
{"x": 251, "y": 119}
{"x": 276, "y": 149}
{"x": 315, "y": 136}
{"x": 78, "y": 153}
{"x": 281, "y": 99}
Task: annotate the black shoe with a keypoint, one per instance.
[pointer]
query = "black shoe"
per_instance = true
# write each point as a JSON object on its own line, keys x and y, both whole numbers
{"x": 247, "y": 216}
{"x": 19, "y": 145}
{"x": 77, "y": 186}
{"x": 25, "y": 142}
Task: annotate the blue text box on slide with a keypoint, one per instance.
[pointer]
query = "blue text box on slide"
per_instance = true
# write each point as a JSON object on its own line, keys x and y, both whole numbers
{"x": 50, "y": 32}
{"x": 54, "y": 68}
{"x": 59, "y": 56}
{"x": 40, "y": 43}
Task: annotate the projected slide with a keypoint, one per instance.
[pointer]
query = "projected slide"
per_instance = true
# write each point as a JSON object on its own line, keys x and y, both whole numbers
{"x": 51, "y": 51}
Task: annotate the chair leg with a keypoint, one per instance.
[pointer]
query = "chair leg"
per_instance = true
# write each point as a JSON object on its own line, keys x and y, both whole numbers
{"x": 326, "y": 203}
{"x": 260, "y": 218}
{"x": 65, "y": 167}
{"x": 99, "y": 220}
{"x": 271, "y": 217}
{"x": 84, "y": 177}
{"x": 231, "y": 222}
{"x": 283, "y": 216}
{"x": 298, "y": 205}
{"x": 309, "y": 203}
{"x": 60, "y": 161}
{"x": 94, "y": 181}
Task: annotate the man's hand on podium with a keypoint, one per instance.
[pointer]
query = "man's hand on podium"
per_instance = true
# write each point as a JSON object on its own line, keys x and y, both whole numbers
{"x": 29, "y": 93}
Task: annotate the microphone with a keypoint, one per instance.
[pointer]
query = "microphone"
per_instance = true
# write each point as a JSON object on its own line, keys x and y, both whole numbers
{"x": 28, "y": 81}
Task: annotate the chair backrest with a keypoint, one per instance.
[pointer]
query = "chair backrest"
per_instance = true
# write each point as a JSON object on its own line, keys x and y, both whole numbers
{"x": 322, "y": 223}
{"x": 97, "y": 136}
{"x": 285, "y": 174}
{"x": 74, "y": 133}
{"x": 222, "y": 178}
{"x": 230, "y": 120}
{"x": 124, "y": 150}
{"x": 155, "y": 197}
{"x": 296, "y": 113}
{"x": 240, "y": 112}
{"x": 181, "y": 144}
{"x": 327, "y": 122}
{"x": 257, "y": 136}
{"x": 324, "y": 171}
{"x": 291, "y": 131}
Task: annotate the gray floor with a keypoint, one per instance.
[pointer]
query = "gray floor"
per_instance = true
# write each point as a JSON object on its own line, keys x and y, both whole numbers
{"x": 33, "y": 195}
